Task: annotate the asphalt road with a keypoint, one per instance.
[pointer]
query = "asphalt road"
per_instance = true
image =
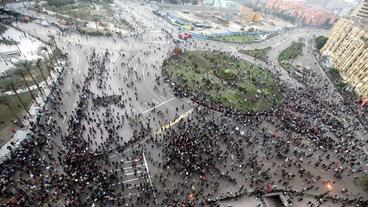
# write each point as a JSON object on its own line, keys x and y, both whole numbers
{"x": 137, "y": 59}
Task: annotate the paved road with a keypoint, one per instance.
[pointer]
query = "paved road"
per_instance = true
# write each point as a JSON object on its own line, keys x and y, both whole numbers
{"x": 133, "y": 70}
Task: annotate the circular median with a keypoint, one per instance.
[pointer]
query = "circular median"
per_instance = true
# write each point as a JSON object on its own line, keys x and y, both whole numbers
{"x": 220, "y": 81}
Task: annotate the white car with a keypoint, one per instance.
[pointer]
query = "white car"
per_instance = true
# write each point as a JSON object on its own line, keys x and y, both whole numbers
{"x": 44, "y": 23}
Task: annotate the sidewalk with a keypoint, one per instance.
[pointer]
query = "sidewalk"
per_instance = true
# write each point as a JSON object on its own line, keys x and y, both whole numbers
{"x": 21, "y": 134}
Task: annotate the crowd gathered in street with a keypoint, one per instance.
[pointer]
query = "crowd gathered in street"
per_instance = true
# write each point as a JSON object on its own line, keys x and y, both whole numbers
{"x": 107, "y": 152}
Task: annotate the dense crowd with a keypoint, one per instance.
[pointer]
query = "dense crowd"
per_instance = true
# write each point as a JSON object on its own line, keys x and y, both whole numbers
{"x": 209, "y": 156}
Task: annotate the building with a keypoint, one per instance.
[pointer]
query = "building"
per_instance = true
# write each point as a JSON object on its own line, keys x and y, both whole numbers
{"x": 361, "y": 12}
{"x": 347, "y": 47}
{"x": 221, "y": 3}
{"x": 254, "y": 16}
{"x": 302, "y": 12}
{"x": 338, "y": 7}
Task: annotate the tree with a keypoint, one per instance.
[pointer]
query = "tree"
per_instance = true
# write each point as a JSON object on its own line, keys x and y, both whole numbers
{"x": 4, "y": 100}
{"x": 44, "y": 48}
{"x": 22, "y": 73}
{"x": 52, "y": 38}
{"x": 320, "y": 42}
{"x": 2, "y": 30}
{"x": 18, "y": 96}
{"x": 38, "y": 65}
{"x": 27, "y": 65}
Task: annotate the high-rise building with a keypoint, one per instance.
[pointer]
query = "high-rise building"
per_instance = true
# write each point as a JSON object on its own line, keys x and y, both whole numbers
{"x": 347, "y": 48}
{"x": 361, "y": 12}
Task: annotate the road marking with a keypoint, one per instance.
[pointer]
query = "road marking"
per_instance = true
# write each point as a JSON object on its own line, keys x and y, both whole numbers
{"x": 172, "y": 123}
{"x": 158, "y": 105}
{"x": 113, "y": 156}
{"x": 125, "y": 168}
{"x": 132, "y": 173}
{"x": 154, "y": 100}
{"x": 48, "y": 122}
{"x": 129, "y": 195}
{"x": 134, "y": 179}
{"x": 129, "y": 161}
{"x": 149, "y": 177}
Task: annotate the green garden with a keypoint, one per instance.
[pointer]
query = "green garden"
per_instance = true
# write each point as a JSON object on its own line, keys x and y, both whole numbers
{"x": 219, "y": 78}
{"x": 289, "y": 55}
{"x": 260, "y": 54}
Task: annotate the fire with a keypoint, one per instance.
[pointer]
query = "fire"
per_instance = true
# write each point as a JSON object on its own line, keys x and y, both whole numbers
{"x": 329, "y": 187}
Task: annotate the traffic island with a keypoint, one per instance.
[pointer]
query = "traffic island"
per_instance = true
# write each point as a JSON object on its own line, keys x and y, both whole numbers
{"x": 222, "y": 82}
{"x": 289, "y": 55}
{"x": 260, "y": 54}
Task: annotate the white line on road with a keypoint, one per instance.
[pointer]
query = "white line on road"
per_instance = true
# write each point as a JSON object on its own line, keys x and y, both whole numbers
{"x": 154, "y": 100}
{"x": 48, "y": 122}
{"x": 129, "y": 195}
{"x": 148, "y": 110}
{"x": 132, "y": 173}
{"x": 129, "y": 161}
{"x": 126, "y": 168}
{"x": 134, "y": 179}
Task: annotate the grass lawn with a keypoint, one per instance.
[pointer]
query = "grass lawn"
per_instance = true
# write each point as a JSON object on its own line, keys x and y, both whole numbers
{"x": 237, "y": 38}
{"x": 7, "y": 118}
{"x": 260, "y": 54}
{"x": 287, "y": 56}
{"x": 220, "y": 78}
{"x": 88, "y": 11}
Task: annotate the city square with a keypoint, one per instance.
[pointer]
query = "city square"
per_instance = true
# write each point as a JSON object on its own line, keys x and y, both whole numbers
{"x": 161, "y": 104}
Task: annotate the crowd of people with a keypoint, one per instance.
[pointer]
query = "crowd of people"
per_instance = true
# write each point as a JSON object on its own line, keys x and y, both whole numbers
{"x": 301, "y": 147}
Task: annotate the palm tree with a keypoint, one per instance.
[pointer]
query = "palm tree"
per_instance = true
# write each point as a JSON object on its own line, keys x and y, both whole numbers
{"x": 38, "y": 65}
{"x": 27, "y": 65}
{"x": 2, "y": 30}
{"x": 46, "y": 65}
{"x": 52, "y": 37}
{"x": 20, "y": 100}
{"x": 53, "y": 44}
{"x": 21, "y": 72}
{"x": 44, "y": 48}
{"x": 5, "y": 101}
